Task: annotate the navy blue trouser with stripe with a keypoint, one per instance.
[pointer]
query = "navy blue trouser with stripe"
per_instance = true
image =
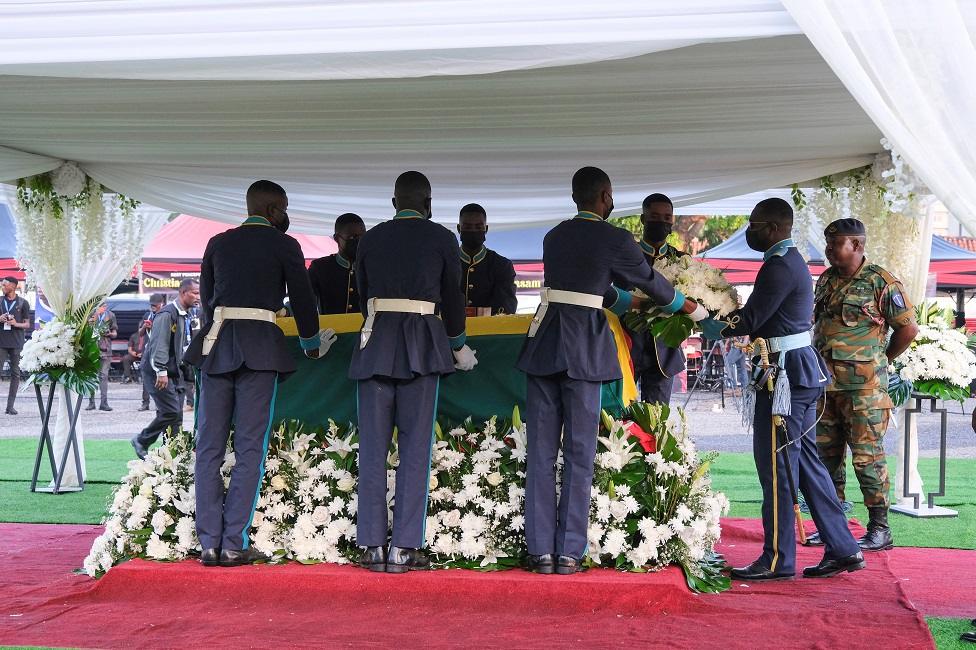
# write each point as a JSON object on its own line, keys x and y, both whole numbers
{"x": 779, "y": 544}
{"x": 409, "y": 405}
{"x": 245, "y": 398}
{"x": 557, "y": 406}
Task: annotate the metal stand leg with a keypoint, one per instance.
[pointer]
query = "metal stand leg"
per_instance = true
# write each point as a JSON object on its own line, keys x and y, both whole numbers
{"x": 929, "y": 509}
{"x": 71, "y": 444}
{"x": 45, "y": 439}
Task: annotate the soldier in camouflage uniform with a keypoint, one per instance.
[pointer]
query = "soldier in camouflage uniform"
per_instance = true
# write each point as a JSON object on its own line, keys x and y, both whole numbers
{"x": 855, "y": 304}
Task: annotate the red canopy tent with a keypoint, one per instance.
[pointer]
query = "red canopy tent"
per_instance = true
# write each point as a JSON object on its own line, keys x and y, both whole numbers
{"x": 176, "y": 252}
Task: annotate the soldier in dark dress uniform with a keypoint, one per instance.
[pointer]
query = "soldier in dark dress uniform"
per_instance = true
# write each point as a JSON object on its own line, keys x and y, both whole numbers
{"x": 656, "y": 364}
{"x": 569, "y": 351}
{"x": 407, "y": 268}
{"x": 334, "y": 277}
{"x": 242, "y": 356}
{"x": 487, "y": 278}
{"x": 780, "y": 310}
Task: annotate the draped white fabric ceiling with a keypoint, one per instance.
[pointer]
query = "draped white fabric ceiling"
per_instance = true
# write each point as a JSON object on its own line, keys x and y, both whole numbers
{"x": 182, "y": 104}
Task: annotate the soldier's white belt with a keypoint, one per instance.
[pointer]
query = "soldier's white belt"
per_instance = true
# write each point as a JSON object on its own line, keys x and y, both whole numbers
{"x": 561, "y": 297}
{"x": 790, "y": 342}
{"x": 233, "y": 313}
{"x": 399, "y": 305}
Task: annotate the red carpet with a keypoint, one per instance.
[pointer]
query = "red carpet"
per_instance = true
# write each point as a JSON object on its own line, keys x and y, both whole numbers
{"x": 147, "y": 604}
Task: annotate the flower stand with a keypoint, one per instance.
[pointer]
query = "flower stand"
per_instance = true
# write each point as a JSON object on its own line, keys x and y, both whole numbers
{"x": 917, "y": 508}
{"x": 46, "y": 442}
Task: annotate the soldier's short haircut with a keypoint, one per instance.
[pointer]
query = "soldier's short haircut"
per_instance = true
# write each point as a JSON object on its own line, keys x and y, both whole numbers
{"x": 188, "y": 283}
{"x": 12, "y": 280}
{"x": 588, "y": 182}
{"x": 656, "y": 198}
{"x": 347, "y": 219}
{"x": 775, "y": 209}
{"x": 264, "y": 192}
{"x": 473, "y": 208}
{"x": 412, "y": 188}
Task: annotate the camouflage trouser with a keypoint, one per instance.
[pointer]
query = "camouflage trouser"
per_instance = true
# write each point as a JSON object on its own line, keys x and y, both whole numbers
{"x": 855, "y": 419}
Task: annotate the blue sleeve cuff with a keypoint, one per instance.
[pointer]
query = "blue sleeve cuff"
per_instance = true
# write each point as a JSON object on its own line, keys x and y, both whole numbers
{"x": 457, "y": 342}
{"x": 677, "y": 303}
{"x": 311, "y": 343}
{"x": 623, "y": 302}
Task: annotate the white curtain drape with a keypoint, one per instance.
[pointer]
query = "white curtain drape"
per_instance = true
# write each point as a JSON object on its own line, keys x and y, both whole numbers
{"x": 80, "y": 255}
{"x": 910, "y": 65}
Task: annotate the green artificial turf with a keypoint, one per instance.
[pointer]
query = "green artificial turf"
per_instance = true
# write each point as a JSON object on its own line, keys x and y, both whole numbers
{"x": 947, "y": 630}
{"x": 732, "y": 473}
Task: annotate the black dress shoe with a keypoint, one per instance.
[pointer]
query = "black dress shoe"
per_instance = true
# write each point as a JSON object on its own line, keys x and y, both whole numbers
{"x": 813, "y": 539}
{"x": 567, "y": 565}
{"x": 249, "y": 555}
{"x": 756, "y": 571}
{"x": 144, "y": 407}
{"x": 90, "y": 407}
{"x": 828, "y": 568}
{"x": 104, "y": 407}
{"x": 401, "y": 560}
{"x": 373, "y": 558}
{"x": 540, "y": 564}
{"x": 968, "y": 636}
{"x": 11, "y": 410}
{"x": 141, "y": 449}
{"x": 210, "y": 557}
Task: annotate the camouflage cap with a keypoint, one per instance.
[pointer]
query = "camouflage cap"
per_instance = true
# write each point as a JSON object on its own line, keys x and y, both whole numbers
{"x": 845, "y": 227}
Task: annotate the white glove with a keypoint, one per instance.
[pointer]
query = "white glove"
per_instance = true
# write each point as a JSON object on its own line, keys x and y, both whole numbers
{"x": 464, "y": 358}
{"x": 326, "y": 338}
{"x": 700, "y": 313}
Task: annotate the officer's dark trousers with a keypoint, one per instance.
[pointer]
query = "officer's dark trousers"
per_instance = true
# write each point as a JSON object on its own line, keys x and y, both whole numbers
{"x": 168, "y": 411}
{"x": 246, "y": 399}
{"x": 779, "y": 546}
{"x": 409, "y": 405}
{"x": 557, "y": 405}
{"x": 656, "y": 389}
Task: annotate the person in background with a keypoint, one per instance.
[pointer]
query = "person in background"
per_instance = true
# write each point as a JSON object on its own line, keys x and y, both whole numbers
{"x": 735, "y": 362}
{"x": 189, "y": 379}
{"x": 333, "y": 277}
{"x": 487, "y": 278}
{"x": 161, "y": 371}
{"x": 133, "y": 360}
{"x": 15, "y": 319}
{"x": 107, "y": 327}
{"x": 156, "y": 302}
{"x": 656, "y": 364}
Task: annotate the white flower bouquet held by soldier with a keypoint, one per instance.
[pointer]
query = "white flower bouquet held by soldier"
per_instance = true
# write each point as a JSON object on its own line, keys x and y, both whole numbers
{"x": 697, "y": 280}
{"x": 652, "y": 504}
{"x": 939, "y": 361}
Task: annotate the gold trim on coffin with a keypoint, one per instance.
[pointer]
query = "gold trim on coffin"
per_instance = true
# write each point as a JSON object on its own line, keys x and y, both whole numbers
{"x": 487, "y": 326}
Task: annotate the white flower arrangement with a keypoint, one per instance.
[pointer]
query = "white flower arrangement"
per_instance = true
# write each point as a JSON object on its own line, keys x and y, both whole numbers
{"x": 68, "y": 180}
{"x": 648, "y": 510}
{"x": 51, "y": 346}
{"x": 938, "y": 362}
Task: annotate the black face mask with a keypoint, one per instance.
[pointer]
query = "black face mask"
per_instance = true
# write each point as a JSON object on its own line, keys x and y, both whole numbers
{"x": 282, "y": 222}
{"x": 349, "y": 250}
{"x": 752, "y": 241}
{"x": 472, "y": 239}
{"x": 657, "y": 231}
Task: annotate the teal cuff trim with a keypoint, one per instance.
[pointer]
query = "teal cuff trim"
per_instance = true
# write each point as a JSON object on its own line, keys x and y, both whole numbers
{"x": 623, "y": 302}
{"x": 677, "y": 303}
{"x": 311, "y": 343}
{"x": 457, "y": 342}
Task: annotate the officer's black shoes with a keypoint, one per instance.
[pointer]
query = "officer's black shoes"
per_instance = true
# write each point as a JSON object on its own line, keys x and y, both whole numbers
{"x": 813, "y": 539}
{"x": 567, "y": 565}
{"x": 210, "y": 557}
{"x": 104, "y": 407}
{"x": 968, "y": 636}
{"x": 91, "y": 406}
{"x": 249, "y": 555}
{"x": 140, "y": 448}
{"x": 11, "y": 410}
{"x": 878, "y": 536}
{"x": 401, "y": 560}
{"x": 828, "y": 568}
{"x": 545, "y": 564}
{"x": 144, "y": 407}
{"x": 759, "y": 573}
{"x": 373, "y": 558}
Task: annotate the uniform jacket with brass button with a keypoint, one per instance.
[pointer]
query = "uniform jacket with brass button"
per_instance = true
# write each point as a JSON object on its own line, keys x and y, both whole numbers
{"x": 334, "y": 282}
{"x": 488, "y": 280}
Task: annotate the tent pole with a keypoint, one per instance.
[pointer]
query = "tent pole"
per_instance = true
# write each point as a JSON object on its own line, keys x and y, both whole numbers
{"x": 960, "y": 307}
